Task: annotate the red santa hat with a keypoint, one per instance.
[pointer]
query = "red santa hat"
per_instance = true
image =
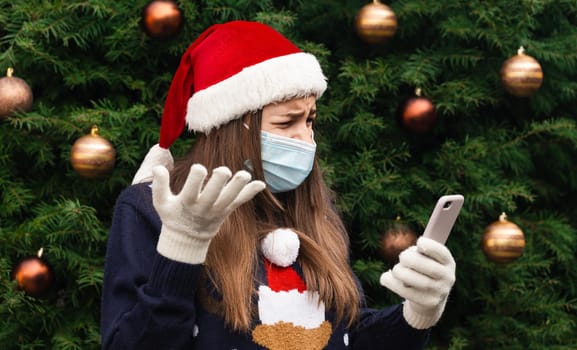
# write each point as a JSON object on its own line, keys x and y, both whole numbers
{"x": 229, "y": 70}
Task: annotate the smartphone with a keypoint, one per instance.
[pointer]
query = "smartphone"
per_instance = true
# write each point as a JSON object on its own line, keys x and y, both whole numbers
{"x": 443, "y": 217}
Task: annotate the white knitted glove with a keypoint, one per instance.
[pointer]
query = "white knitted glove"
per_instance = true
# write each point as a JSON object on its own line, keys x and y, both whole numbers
{"x": 423, "y": 276}
{"x": 193, "y": 217}
{"x": 155, "y": 156}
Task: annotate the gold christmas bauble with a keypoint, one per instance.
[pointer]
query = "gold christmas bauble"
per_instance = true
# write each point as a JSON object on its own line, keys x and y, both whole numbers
{"x": 92, "y": 156}
{"x": 376, "y": 23}
{"x": 503, "y": 241}
{"x": 33, "y": 275}
{"x": 419, "y": 114}
{"x": 15, "y": 95}
{"x": 162, "y": 19}
{"x": 521, "y": 75}
{"x": 398, "y": 237}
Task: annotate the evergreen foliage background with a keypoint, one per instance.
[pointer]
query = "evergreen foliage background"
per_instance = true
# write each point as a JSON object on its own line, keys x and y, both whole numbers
{"x": 88, "y": 62}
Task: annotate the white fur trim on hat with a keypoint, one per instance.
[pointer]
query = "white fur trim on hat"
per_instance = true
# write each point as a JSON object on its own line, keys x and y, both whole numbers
{"x": 281, "y": 247}
{"x": 254, "y": 87}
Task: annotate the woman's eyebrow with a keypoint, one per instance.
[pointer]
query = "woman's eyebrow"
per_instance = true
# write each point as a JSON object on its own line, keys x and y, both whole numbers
{"x": 299, "y": 113}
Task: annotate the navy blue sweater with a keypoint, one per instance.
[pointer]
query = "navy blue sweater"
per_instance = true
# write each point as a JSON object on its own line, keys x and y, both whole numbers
{"x": 149, "y": 301}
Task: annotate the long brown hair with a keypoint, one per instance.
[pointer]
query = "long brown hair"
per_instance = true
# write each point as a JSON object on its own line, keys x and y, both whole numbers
{"x": 233, "y": 254}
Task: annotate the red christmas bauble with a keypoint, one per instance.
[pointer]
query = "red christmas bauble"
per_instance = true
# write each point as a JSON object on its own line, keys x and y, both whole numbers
{"x": 419, "y": 115}
{"x": 162, "y": 19}
{"x": 33, "y": 275}
{"x": 398, "y": 237}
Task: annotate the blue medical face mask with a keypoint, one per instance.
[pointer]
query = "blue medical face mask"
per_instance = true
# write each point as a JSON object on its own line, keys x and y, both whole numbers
{"x": 286, "y": 162}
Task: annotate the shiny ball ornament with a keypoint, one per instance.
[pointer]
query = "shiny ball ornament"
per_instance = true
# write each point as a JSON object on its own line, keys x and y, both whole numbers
{"x": 398, "y": 237}
{"x": 418, "y": 114}
{"x": 15, "y": 95}
{"x": 376, "y": 23}
{"x": 92, "y": 156}
{"x": 162, "y": 19}
{"x": 33, "y": 275}
{"x": 521, "y": 75}
{"x": 503, "y": 241}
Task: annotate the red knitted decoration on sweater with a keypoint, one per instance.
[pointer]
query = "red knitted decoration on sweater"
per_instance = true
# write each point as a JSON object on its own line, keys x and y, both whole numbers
{"x": 283, "y": 278}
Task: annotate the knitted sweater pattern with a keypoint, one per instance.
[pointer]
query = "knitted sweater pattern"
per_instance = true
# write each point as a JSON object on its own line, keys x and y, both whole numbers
{"x": 150, "y": 302}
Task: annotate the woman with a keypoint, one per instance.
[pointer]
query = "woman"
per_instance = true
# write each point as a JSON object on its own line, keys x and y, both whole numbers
{"x": 254, "y": 254}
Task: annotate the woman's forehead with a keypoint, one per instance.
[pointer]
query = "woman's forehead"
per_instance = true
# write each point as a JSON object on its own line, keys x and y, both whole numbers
{"x": 297, "y": 104}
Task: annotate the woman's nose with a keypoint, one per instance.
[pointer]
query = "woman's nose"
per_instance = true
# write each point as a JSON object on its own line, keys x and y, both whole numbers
{"x": 303, "y": 133}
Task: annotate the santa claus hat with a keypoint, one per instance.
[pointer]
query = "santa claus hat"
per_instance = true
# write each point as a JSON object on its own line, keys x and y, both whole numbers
{"x": 229, "y": 70}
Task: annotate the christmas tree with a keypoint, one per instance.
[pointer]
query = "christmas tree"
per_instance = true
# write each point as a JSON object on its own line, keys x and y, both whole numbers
{"x": 91, "y": 63}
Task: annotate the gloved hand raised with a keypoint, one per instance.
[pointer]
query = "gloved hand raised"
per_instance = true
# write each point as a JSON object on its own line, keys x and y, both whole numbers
{"x": 191, "y": 218}
{"x": 423, "y": 276}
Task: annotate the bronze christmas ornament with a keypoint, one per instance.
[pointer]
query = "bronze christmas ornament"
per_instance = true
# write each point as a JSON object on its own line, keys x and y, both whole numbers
{"x": 521, "y": 75}
{"x": 375, "y": 23}
{"x": 503, "y": 241}
{"x": 92, "y": 156}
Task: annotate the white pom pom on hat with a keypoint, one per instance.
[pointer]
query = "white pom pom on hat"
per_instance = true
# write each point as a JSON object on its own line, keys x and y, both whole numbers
{"x": 281, "y": 247}
{"x": 229, "y": 70}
